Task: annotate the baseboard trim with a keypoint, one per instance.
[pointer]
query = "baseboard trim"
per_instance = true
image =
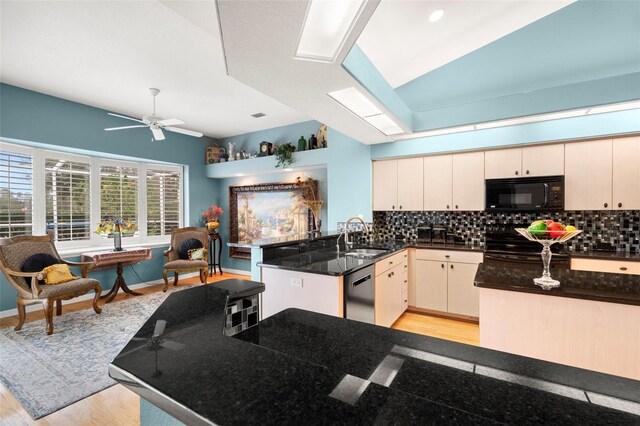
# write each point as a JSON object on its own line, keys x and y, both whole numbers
{"x": 238, "y": 272}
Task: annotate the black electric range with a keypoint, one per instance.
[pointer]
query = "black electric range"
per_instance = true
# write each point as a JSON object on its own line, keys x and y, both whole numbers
{"x": 503, "y": 245}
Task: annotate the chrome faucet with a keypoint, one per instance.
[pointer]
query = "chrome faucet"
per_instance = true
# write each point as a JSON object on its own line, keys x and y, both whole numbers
{"x": 345, "y": 232}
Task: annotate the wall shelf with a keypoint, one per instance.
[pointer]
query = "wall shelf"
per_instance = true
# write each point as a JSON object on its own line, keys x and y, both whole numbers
{"x": 262, "y": 165}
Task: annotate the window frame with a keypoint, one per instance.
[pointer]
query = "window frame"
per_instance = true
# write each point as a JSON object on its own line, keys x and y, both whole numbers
{"x": 39, "y": 215}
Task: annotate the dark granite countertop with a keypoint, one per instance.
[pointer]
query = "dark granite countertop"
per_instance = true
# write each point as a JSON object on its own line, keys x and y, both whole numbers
{"x": 299, "y": 367}
{"x": 601, "y": 286}
{"x": 606, "y": 255}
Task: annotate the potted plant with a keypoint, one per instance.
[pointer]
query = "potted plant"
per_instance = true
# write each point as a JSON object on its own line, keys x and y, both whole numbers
{"x": 210, "y": 217}
{"x": 284, "y": 154}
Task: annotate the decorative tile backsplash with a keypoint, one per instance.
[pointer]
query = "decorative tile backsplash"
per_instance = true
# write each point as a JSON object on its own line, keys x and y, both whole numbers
{"x": 619, "y": 229}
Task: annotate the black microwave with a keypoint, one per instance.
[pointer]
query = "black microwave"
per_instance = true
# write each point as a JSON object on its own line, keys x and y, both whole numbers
{"x": 525, "y": 194}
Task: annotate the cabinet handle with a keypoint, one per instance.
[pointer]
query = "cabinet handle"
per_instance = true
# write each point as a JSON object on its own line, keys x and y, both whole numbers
{"x": 447, "y": 206}
{"x": 405, "y": 300}
{"x": 400, "y": 207}
{"x": 393, "y": 207}
{"x": 623, "y": 268}
{"x": 447, "y": 256}
{"x": 393, "y": 273}
{"x": 619, "y": 204}
{"x": 405, "y": 282}
{"x": 606, "y": 204}
{"x": 391, "y": 262}
{"x": 451, "y": 266}
{"x": 405, "y": 266}
{"x": 456, "y": 206}
{"x": 527, "y": 171}
{"x": 389, "y": 275}
{"x": 442, "y": 265}
{"x": 516, "y": 173}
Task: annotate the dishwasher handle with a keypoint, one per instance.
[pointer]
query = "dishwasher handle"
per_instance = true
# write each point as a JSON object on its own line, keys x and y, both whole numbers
{"x": 359, "y": 281}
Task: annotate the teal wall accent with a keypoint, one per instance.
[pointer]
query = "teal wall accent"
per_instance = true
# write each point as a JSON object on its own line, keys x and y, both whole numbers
{"x": 585, "y": 41}
{"x": 614, "y": 123}
{"x": 363, "y": 70}
{"x": 150, "y": 415}
{"x": 32, "y": 118}
{"x": 344, "y": 172}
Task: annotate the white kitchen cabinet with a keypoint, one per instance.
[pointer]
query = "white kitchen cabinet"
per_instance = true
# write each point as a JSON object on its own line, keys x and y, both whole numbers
{"x": 438, "y": 188}
{"x": 431, "y": 285}
{"x": 468, "y": 181}
{"x": 503, "y": 163}
{"x": 462, "y": 294}
{"x": 626, "y": 173}
{"x": 389, "y": 303}
{"x": 385, "y": 185}
{"x": 588, "y": 175}
{"x": 410, "y": 178}
{"x": 397, "y": 184}
{"x": 543, "y": 160}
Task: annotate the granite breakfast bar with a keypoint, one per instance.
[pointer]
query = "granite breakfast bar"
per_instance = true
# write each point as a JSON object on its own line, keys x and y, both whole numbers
{"x": 300, "y": 367}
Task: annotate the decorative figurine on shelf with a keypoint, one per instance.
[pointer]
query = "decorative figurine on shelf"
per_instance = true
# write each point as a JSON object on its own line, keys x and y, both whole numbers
{"x": 210, "y": 218}
{"x": 313, "y": 142}
{"x": 116, "y": 228}
{"x": 265, "y": 149}
{"x": 322, "y": 136}
{"x": 302, "y": 144}
{"x": 232, "y": 149}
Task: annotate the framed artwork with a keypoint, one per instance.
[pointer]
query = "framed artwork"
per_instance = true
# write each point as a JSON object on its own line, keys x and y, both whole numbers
{"x": 266, "y": 211}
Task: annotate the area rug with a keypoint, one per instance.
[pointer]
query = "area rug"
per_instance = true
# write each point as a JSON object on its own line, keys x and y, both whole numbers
{"x": 47, "y": 373}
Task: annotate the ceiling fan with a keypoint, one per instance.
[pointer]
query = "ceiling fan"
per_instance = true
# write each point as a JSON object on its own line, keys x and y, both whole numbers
{"x": 155, "y": 123}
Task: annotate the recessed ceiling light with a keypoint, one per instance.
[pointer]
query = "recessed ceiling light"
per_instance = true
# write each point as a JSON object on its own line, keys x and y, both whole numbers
{"x": 436, "y": 15}
{"x": 258, "y": 114}
{"x": 326, "y": 27}
{"x": 383, "y": 123}
{"x": 288, "y": 170}
{"x": 239, "y": 174}
{"x": 352, "y": 99}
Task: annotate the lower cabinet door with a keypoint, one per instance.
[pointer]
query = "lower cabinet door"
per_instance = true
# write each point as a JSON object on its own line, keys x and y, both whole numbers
{"x": 463, "y": 298}
{"x": 405, "y": 291}
{"x": 431, "y": 285}
{"x": 388, "y": 296}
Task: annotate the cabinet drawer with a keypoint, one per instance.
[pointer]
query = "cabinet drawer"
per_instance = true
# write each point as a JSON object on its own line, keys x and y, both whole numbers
{"x": 391, "y": 261}
{"x": 614, "y": 266}
{"x": 448, "y": 256}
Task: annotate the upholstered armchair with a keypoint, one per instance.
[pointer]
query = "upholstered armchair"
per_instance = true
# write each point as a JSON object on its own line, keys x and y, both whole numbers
{"x": 15, "y": 252}
{"x": 177, "y": 257}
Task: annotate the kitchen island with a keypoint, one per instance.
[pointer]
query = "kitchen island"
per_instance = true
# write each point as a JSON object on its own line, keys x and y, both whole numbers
{"x": 299, "y": 367}
{"x": 591, "y": 321}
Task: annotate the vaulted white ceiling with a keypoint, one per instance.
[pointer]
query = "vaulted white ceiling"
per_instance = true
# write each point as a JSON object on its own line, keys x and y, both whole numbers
{"x": 108, "y": 53}
{"x": 403, "y": 45}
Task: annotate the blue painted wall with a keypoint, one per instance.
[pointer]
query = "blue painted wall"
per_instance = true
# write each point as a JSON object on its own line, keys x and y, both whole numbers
{"x": 33, "y": 118}
{"x": 345, "y": 176}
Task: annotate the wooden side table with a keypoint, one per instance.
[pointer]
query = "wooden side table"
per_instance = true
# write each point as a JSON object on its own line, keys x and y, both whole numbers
{"x": 215, "y": 249}
{"x": 107, "y": 259}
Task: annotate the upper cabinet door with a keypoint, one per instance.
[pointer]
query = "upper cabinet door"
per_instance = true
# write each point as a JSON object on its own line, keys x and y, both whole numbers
{"x": 410, "y": 184}
{"x": 503, "y": 163}
{"x": 438, "y": 176}
{"x": 546, "y": 160}
{"x": 385, "y": 185}
{"x": 588, "y": 175}
{"x": 626, "y": 173}
{"x": 468, "y": 181}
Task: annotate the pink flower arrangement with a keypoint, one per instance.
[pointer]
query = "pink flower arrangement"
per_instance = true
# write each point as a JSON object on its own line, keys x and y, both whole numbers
{"x": 212, "y": 214}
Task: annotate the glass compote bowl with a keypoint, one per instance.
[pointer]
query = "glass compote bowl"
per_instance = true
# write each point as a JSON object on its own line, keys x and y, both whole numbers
{"x": 545, "y": 281}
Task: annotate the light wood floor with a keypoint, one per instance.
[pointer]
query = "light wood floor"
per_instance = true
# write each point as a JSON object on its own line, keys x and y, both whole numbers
{"x": 119, "y": 406}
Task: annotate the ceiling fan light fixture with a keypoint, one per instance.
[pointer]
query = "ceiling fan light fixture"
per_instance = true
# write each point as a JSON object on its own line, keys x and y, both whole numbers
{"x": 436, "y": 15}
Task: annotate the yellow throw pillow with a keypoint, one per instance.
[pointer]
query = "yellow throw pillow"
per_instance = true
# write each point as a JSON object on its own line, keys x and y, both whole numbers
{"x": 196, "y": 254}
{"x": 57, "y": 274}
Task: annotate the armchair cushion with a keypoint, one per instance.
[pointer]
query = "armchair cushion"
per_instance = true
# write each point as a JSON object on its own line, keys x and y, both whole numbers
{"x": 186, "y": 264}
{"x": 57, "y": 274}
{"x": 188, "y": 244}
{"x": 78, "y": 286}
{"x": 38, "y": 262}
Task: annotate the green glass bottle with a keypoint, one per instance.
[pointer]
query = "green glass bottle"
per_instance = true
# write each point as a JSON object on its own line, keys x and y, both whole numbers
{"x": 302, "y": 144}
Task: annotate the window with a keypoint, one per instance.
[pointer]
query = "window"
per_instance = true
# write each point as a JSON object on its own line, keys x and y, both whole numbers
{"x": 16, "y": 194}
{"x": 119, "y": 194}
{"x": 163, "y": 201}
{"x": 67, "y": 194}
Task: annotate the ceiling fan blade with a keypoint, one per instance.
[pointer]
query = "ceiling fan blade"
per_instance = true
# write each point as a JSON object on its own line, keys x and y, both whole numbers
{"x": 184, "y": 131}
{"x": 170, "y": 122}
{"x": 157, "y": 134}
{"x": 125, "y": 127}
{"x": 159, "y": 329}
{"x": 126, "y": 118}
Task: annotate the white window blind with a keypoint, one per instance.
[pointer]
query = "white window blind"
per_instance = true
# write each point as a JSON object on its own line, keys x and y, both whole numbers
{"x": 163, "y": 201}
{"x": 68, "y": 195}
{"x": 16, "y": 194}
{"x": 119, "y": 193}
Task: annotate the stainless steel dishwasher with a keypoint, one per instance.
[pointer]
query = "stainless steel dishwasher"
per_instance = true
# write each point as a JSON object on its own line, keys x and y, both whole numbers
{"x": 359, "y": 295}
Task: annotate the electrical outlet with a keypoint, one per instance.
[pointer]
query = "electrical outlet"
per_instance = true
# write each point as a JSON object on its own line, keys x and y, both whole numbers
{"x": 296, "y": 282}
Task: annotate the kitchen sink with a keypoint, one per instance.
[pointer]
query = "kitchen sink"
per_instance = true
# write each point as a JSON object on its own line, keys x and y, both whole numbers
{"x": 366, "y": 252}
